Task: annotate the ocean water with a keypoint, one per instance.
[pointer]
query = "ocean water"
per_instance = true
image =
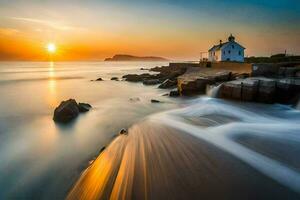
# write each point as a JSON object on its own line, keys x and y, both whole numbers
{"x": 40, "y": 159}
{"x": 183, "y": 148}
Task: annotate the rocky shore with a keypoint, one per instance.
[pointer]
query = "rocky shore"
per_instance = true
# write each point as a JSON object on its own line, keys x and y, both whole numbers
{"x": 264, "y": 83}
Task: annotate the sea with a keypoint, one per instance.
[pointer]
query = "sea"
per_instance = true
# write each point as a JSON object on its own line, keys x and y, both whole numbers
{"x": 181, "y": 148}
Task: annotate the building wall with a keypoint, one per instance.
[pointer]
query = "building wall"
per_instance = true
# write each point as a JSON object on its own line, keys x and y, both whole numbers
{"x": 214, "y": 56}
{"x": 231, "y": 53}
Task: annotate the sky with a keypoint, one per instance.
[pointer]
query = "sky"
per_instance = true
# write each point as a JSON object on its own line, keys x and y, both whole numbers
{"x": 178, "y": 30}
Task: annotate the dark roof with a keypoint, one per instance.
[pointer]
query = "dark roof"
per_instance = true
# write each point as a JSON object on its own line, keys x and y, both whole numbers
{"x": 219, "y": 46}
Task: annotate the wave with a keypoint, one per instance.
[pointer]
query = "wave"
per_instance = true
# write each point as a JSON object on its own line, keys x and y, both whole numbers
{"x": 200, "y": 151}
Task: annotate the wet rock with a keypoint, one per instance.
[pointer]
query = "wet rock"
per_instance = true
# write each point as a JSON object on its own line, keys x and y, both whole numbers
{"x": 174, "y": 93}
{"x": 166, "y": 94}
{"x": 261, "y": 89}
{"x": 192, "y": 87}
{"x": 165, "y": 72}
{"x": 266, "y": 90}
{"x": 66, "y": 111}
{"x": 136, "y": 77}
{"x": 99, "y": 79}
{"x": 143, "y": 68}
{"x": 287, "y": 91}
{"x": 114, "y": 79}
{"x": 151, "y": 82}
{"x": 123, "y": 132}
{"x": 168, "y": 84}
{"x": 265, "y": 69}
{"x": 84, "y": 107}
{"x": 154, "y": 101}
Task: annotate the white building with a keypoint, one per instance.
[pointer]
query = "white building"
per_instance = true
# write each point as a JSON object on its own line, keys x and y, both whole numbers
{"x": 228, "y": 51}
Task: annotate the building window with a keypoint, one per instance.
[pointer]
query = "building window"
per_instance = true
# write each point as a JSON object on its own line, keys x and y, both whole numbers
{"x": 233, "y": 46}
{"x": 214, "y": 53}
{"x": 224, "y": 52}
{"x": 229, "y": 51}
{"x": 240, "y": 53}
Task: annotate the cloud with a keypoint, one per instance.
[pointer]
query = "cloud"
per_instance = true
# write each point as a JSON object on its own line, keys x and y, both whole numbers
{"x": 51, "y": 24}
{"x": 8, "y": 31}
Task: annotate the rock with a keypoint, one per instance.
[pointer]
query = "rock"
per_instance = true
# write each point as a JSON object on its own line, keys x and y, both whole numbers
{"x": 66, "y": 111}
{"x": 166, "y": 94}
{"x": 168, "y": 84}
{"x": 123, "y": 132}
{"x": 136, "y": 77}
{"x": 143, "y": 68}
{"x": 165, "y": 72}
{"x": 192, "y": 87}
{"x": 264, "y": 90}
{"x": 135, "y": 99}
{"x": 114, "y": 79}
{"x": 267, "y": 70}
{"x": 174, "y": 93}
{"x": 84, "y": 107}
{"x": 154, "y": 101}
{"x": 99, "y": 79}
{"x": 242, "y": 89}
{"x": 287, "y": 91}
{"x": 151, "y": 82}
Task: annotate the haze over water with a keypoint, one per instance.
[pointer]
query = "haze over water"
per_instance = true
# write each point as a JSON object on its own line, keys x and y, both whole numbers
{"x": 182, "y": 148}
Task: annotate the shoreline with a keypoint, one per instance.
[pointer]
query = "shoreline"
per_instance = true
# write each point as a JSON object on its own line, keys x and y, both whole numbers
{"x": 155, "y": 150}
{"x": 119, "y": 174}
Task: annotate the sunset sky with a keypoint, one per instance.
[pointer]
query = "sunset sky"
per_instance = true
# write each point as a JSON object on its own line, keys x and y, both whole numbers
{"x": 93, "y": 30}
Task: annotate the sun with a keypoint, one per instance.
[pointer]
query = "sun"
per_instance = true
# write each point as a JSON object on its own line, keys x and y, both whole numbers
{"x": 51, "y": 47}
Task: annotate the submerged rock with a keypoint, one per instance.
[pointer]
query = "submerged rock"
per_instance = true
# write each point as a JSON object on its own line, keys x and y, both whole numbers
{"x": 123, "y": 132}
{"x": 154, "y": 101}
{"x": 68, "y": 110}
{"x": 174, "y": 93}
{"x": 99, "y": 79}
{"x": 114, "y": 79}
{"x": 84, "y": 107}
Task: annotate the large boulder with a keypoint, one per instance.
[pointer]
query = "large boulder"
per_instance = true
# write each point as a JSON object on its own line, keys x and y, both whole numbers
{"x": 192, "y": 87}
{"x": 68, "y": 110}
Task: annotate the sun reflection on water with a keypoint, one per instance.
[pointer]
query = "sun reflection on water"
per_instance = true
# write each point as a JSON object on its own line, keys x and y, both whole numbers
{"x": 51, "y": 97}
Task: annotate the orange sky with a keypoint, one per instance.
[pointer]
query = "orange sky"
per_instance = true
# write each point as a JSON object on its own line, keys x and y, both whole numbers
{"x": 94, "y": 30}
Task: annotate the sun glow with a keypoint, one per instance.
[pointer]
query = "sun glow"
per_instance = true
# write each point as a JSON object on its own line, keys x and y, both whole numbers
{"x": 51, "y": 47}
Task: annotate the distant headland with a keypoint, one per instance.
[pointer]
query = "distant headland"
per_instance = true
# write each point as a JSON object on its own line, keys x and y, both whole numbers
{"x": 124, "y": 57}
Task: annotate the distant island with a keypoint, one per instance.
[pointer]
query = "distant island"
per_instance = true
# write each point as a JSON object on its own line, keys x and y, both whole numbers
{"x": 124, "y": 57}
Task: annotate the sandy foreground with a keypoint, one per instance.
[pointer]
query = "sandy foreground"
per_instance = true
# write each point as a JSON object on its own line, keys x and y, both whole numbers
{"x": 156, "y": 162}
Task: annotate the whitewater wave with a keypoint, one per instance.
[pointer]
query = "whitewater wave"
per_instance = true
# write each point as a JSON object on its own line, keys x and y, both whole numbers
{"x": 230, "y": 125}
